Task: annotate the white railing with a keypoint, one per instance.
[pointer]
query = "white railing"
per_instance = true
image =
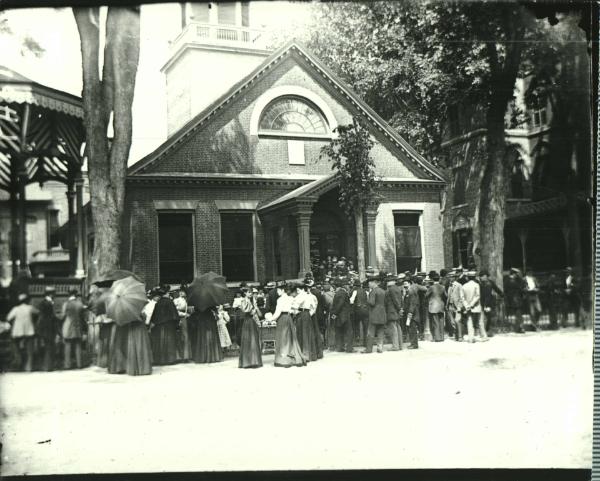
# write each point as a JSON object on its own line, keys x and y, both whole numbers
{"x": 213, "y": 34}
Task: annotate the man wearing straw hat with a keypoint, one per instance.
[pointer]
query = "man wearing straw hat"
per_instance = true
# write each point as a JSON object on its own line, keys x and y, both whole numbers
{"x": 22, "y": 318}
{"x": 473, "y": 307}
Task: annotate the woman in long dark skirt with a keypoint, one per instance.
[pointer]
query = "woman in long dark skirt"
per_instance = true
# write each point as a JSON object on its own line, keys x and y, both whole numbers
{"x": 250, "y": 345}
{"x": 207, "y": 348}
{"x": 139, "y": 351}
{"x": 287, "y": 349}
{"x": 163, "y": 329}
{"x": 117, "y": 351}
{"x": 304, "y": 324}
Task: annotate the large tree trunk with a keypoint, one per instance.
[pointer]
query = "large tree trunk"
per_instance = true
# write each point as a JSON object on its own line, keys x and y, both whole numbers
{"x": 102, "y": 98}
{"x": 492, "y": 208}
{"x": 360, "y": 243}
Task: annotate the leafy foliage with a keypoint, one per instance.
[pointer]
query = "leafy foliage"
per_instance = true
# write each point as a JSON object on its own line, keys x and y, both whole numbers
{"x": 29, "y": 46}
{"x": 349, "y": 154}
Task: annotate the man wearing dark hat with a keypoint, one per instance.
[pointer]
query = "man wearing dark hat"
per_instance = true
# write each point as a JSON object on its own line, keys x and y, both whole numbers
{"x": 271, "y": 298}
{"x": 72, "y": 328}
{"x": 412, "y": 309}
{"x": 436, "y": 299}
{"x": 377, "y": 317}
{"x": 47, "y": 328}
{"x": 418, "y": 282}
{"x": 393, "y": 309}
{"x": 360, "y": 304}
{"x": 488, "y": 300}
{"x": 341, "y": 315}
{"x": 514, "y": 288}
{"x": 455, "y": 305}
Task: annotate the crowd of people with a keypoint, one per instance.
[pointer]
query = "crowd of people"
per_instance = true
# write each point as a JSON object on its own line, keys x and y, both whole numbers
{"x": 330, "y": 311}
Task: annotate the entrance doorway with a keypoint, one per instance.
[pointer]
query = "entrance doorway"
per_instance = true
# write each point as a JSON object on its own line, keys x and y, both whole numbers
{"x": 327, "y": 236}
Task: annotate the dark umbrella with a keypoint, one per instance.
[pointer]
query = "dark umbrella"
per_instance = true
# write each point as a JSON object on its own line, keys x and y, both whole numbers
{"x": 116, "y": 274}
{"x": 125, "y": 301}
{"x": 208, "y": 290}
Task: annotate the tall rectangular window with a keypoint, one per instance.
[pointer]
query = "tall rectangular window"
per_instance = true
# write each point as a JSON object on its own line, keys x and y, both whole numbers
{"x": 237, "y": 246}
{"x": 408, "y": 242}
{"x": 175, "y": 247}
{"x": 53, "y": 237}
{"x": 226, "y": 13}
{"x": 245, "y": 14}
{"x": 200, "y": 12}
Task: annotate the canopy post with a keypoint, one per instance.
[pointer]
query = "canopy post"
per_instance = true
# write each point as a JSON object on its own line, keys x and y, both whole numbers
{"x": 80, "y": 271}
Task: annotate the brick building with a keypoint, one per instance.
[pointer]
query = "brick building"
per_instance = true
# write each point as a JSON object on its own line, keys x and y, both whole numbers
{"x": 238, "y": 187}
{"x": 548, "y": 218}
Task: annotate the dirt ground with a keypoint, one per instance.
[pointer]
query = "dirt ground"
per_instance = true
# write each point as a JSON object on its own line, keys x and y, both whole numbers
{"x": 516, "y": 401}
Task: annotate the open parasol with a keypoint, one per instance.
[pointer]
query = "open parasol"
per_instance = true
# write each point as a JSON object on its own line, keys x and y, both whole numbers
{"x": 207, "y": 290}
{"x": 116, "y": 274}
{"x": 125, "y": 301}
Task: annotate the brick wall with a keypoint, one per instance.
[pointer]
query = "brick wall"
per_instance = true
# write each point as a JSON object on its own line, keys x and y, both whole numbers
{"x": 425, "y": 203}
{"x": 141, "y": 238}
{"x": 224, "y": 145}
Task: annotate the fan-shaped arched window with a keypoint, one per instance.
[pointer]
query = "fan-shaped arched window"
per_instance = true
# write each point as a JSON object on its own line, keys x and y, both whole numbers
{"x": 292, "y": 115}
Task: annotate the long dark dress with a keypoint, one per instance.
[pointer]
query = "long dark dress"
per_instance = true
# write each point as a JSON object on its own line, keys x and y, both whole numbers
{"x": 117, "y": 351}
{"x": 104, "y": 336}
{"x": 207, "y": 347}
{"x": 250, "y": 348}
{"x": 305, "y": 330}
{"x": 163, "y": 336}
{"x": 287, "y": 349}
{"x": 139, "y": 351}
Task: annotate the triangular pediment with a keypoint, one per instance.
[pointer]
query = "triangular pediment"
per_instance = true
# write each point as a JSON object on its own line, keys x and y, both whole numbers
{"x": 292, "y": 54}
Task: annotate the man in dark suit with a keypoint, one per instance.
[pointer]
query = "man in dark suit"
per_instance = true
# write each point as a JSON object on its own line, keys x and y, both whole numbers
{"x": 377, "y": 317}
{"x": 271, "y": 298}
{"x": 393, "y": 308}
{"x": 320, "y": 312}
{"x": 412, "y": 308}
{"x": 341, "y": 314}
{"x": 488, "y": 301}
{"x": 47, "y": 329}
{"x": 359, "y": 302}
{"x": 513, "y": 288}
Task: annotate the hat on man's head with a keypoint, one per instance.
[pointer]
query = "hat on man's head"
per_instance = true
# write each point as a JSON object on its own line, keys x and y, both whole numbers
{"x": 270, "y": 285}
{"x": 568, "y": 269}
{"x": 483, "y": 272}
{"x": 472, "y": 273}
{"x": 49, "y": 289}
{"x": 401, "y": 276}
{"x": 23, "y": 297}
{"x": 357, "y": 283}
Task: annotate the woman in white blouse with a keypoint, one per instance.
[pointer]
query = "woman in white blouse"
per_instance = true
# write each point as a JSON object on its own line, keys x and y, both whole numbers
{"x": 305, "y": 328}
{"x": 287, "y": 349}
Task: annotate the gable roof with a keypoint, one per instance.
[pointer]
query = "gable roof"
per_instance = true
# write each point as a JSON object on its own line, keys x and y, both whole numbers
{"x": 276, "y": 57}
